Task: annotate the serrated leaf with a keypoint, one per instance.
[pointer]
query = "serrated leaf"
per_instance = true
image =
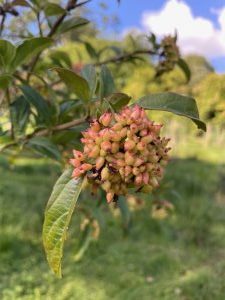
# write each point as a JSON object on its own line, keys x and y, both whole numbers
{"x": 58, "y": 214}
{"x": 185, "y": 68}
{"x": 178, "y": 104}
{"x": 89, "y": 73}
{"x": 7, "y": 54}
{"x": 118, "y": 100}
{"x": 30, "y": 48}
{"x": 45, "y": 147}
{"x": 53, "y": 9}
{"x": 75, "y": 83}
{"x": 34, "y": 98}
{"x": 71, "y": 23}
{"x": 5, "y": 81}
{"x": 106, "y": 85}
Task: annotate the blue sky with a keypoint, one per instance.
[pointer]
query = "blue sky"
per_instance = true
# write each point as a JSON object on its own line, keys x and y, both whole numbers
{"x": 200, "y": 23}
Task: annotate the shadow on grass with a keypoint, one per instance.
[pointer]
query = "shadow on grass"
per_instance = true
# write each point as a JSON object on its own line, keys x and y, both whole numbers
{"x": 181, "y": 257}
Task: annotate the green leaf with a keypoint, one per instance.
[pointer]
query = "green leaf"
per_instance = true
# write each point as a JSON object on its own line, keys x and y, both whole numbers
{"x": 42, "y": 107}
{"x": 7, "y": 54}
{"x": 20, "y": 111}
{"x": 107, "y": 85}
{"x": 45, "y": 147}
{"x": 61, "y": 59}
{"x": 175, "y": 103}
{"x": 75, "y": 83}
{"x": 53, "y": 9}
{"x": 20, "y": 3}
{"x": 71, "y": 23}
{"x": 5, "y": 81}
{"x": 29, "y": 48}
{"x": 185, "y": 68}
{"x": 91, "y": 50}
{"x": 118, "y": 100}
{"x": 89, "y": 73}
{"x": 58, "y": 214}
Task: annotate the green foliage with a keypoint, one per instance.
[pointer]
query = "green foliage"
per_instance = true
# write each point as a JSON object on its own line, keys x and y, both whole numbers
{"x": 58, "y": 213}
{"x": 177, "y": 104}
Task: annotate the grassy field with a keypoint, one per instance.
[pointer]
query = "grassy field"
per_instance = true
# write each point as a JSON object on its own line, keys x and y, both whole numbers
{"x": 181, "y": 257}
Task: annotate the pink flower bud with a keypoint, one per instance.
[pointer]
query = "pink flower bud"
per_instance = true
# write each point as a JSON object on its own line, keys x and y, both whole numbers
{"x": 120, "y": 163}
{"x": 109, "y": 197}
{"x": 136, "y": 171}
{"x": 123, "y": 132}
{"x": 117, "y": 126}
{"x": 105, "y": 119}
{"x": 105, "y": 174}
{"x": 86, "y": 167}
{"x": 138, "y": 179}
{"x": 138, "y": 162}
{"x": 141, "y": 146}
{"x": 134, "y": 128}
{"x": 115, "y": 137}
{"x": 129, "y": 159}
{"x": 99, "y": 162}
{"x": 79, "y": 155}
{"x": 106, "y": 146}
{"x": 95, "y": 126}
{"x": 120, "y": 119}
{"x": 136, "y": 112}
{"x": 145, "y": 178}
{"x": 105, "y": 134}
{"x": 75, "y": 162}
{"x": 129, "y": 145}
{"x": 76, "y": 173}
{"x": 94, "y": 152}
{"x": 128, "y": 170}
{"x": 143, "y": 132}
{"x": 147, "y": 139}
{"x": 115, "y": 147}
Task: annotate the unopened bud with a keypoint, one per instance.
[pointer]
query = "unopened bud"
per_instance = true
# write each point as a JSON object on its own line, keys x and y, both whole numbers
{"x": 129, "y": 145}
{"x": 106, "y": 186}
{"x": 86, "y": 167}
{"x": 105, "y": 174}
{"x": 105, "y": 119}
{"x": 79, "y": 155}
{"x": 95, "y": 126}
{"x": 129, "y": 159}
{"x": 115, "y": 147}
{"x": 109, "y": 197}
{"x": 138, "y": 162}
{"x": 145, "y": 178}
{"x": 106, "y": 146}
{"x": 75, "y": 162}
{"x": 94, "y": 152}
{"x": 138, "y": 179}
{"x": 100, "y": 162}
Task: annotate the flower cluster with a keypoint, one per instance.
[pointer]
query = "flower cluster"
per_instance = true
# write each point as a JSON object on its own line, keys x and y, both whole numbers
{"x": 122, "y": 150}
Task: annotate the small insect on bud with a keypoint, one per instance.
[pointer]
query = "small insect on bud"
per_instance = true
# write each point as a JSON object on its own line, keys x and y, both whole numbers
{"x": 105, "y": 174}
{"x": 129, "y": 145}
{"x": 105, "y": 119}
{"x": 109, "y": 197}
{"x": 86, "y": 167}
{"x": 94, "y": 152}
{"x": 106, "y": 186}
{"x": 106, "y": 146}
{"x": 99, "y": 162}
{"x": 75, "y": 162}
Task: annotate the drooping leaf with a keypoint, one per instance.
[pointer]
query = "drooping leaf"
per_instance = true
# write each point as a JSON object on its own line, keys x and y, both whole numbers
{"x": 185, "y": 68}
{"x": 5, "y": 81}
{"x": 20, "y": 111}
{"x": 20, "y": 3}
{"x": 89, "y": 73}
{"x": 178, "y": 104}
{"x": 35, "y": 99}
{"x": 30, "y": 48}
{"x": 91, "y": 50}
{"x": 71, "y": 23}
{"x": 45, "y": 147}
{"x": 53, "y": 9}
{"x": 118, "y": 100}
{"x": 7, "y": 54}
{"x": 106, "y": 85}
{"x": 75, "y": 83}
{"x": 58, "y": 214}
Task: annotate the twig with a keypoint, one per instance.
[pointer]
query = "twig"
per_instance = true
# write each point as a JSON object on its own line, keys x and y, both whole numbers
{"x": 10, "y": 113}
{"x": 2, "y": 24}
{"x": 124, "y": 57}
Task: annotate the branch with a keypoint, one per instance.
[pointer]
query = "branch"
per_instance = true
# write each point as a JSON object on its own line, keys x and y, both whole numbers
{"x": 124, "y": 57}
{"x": 2, "y": 24}
{"x": 70, "y": 6}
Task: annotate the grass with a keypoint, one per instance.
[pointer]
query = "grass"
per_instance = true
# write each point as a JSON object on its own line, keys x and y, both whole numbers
{"x": 181, "y": 257}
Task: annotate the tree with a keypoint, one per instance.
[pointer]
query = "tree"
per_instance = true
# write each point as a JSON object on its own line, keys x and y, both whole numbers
{"x": 47, "y": 100}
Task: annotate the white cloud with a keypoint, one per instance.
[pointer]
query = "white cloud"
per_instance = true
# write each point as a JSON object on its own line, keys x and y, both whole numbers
{"x": 195, "y": 34}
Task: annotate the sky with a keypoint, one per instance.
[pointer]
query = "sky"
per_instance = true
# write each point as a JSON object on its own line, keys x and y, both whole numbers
{"x": 200, "y": 23}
